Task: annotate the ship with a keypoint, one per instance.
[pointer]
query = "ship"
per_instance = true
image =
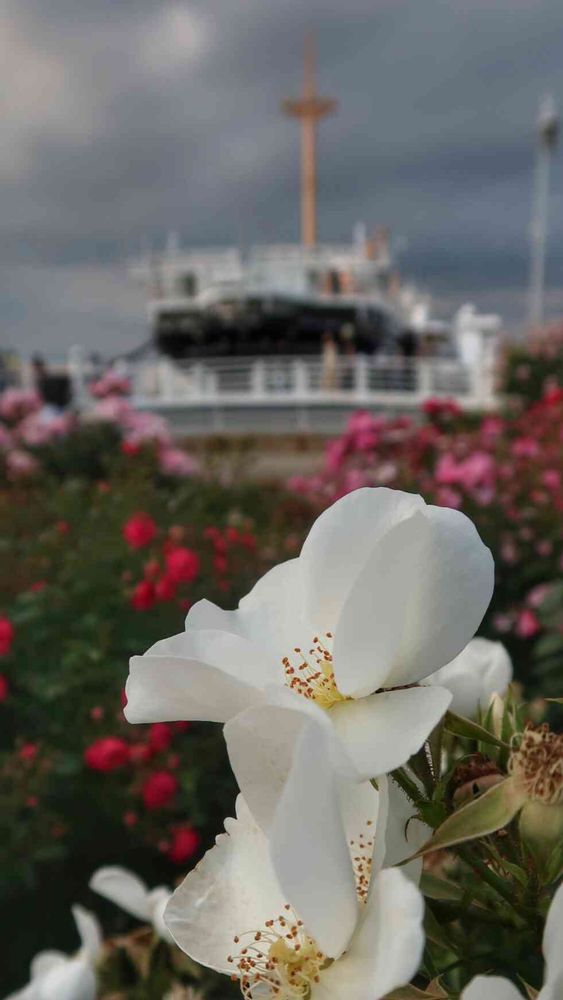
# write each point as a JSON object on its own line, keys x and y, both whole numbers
{"x": 283, "y": 300}
{"x": 288, "y": 300}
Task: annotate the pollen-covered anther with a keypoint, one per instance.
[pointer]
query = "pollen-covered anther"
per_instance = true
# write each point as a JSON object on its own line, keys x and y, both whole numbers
{"x": 280, "y": 961}
{"x": 313, "y": 677}
{"x": 536, "y": 764}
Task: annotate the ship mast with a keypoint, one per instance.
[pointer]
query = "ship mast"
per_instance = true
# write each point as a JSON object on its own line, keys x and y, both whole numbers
{"x": 309, "y": 109}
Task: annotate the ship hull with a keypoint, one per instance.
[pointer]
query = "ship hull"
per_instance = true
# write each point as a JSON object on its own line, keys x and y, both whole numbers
{"x": 257, "y": 326}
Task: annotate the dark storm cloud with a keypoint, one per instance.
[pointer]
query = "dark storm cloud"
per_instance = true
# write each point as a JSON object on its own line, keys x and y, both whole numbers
{"x": 124, "y": 119}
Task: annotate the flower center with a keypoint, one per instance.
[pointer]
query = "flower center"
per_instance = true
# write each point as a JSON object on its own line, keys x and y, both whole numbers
{"x": 279, "y": 962}
{"x": 537, "y": 764}
{"x": 313, "y": 676}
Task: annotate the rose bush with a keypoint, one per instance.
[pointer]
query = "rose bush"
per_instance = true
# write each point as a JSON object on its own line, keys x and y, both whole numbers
{"x": 103, "y": 555}
{"x": 534, "y": 369}
{"x": 349, "y": 870}
{"x": 36, "y": 441}
{"x": 93, "y": 572}
{"x": 506, "y": 473}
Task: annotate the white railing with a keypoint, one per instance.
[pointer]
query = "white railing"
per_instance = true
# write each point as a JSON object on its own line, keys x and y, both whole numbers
{"x": 387, "y": 381}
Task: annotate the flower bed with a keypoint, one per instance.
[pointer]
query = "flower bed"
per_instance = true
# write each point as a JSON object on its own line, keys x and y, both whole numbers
{"x": 35, "y": 440}
{"x": 506, "y": 473}
{"x": 398, "y": 828}
{"x": 104, "y": 553}
{"x": 93, "y": 572}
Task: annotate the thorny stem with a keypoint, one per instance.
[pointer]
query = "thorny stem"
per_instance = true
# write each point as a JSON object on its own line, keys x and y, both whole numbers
{"x": 407, "y": 784}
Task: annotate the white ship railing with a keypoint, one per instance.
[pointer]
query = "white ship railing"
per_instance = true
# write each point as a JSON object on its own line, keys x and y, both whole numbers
{"x": 244, "y": 380}
{"x": 225, "y": 387}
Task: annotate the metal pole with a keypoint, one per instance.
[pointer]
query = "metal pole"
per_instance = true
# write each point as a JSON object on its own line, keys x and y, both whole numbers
{"x": 308, "y": 183}
{"x": 548, "y": 129}
{"x": 539, "y": 237}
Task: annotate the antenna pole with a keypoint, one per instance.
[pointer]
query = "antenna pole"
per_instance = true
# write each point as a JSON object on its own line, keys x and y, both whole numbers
{"x": 548, "y": 131}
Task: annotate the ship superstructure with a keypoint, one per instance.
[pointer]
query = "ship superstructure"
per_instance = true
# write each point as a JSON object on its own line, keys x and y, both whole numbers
{"x": 289, "y": 300}
{"x": 280, "y": 299}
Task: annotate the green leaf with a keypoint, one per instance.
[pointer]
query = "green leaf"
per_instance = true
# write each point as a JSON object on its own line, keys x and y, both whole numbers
{"x": 549, "y": 645}
{"x": 439, "y": 888}
{"x": 478, "y": 818}
{"x": 517, "y": 872}
{"x": 460, "y": 726}
{"x": 554, "y": 868}
{"x": 433, "y": 930}
{"x": 553, "y": 600}
{"x": 432, "y": 813}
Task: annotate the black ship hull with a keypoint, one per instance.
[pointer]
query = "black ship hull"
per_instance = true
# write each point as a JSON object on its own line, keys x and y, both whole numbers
{"x": 261, "y": 327}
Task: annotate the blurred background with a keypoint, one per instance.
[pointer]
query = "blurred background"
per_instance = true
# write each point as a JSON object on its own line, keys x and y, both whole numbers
{"x": 122, "y": 122}
{"x": 254, "y": 256}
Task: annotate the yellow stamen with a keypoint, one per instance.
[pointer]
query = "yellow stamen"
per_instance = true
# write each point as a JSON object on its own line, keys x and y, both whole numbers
{"x": 313, "y": 677}
{"x": 280, "y": 962}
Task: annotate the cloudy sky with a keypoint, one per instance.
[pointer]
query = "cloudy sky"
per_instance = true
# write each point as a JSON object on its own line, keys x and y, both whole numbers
{"x": 122, "y": 119}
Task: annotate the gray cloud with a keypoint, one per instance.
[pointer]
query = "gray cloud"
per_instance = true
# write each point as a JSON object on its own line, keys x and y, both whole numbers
{"x": 121, "y": 120}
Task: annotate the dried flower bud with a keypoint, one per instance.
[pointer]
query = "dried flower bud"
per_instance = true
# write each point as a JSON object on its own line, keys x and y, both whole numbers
{"x": 536, "y": 766}
{"x": 473, "y": 777}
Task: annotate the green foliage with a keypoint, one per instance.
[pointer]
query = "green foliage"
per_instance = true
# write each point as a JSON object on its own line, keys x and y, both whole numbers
{"x": 532, "y": 369}
{"x": 66, "y": 585}
{"x": 67, "y": 582}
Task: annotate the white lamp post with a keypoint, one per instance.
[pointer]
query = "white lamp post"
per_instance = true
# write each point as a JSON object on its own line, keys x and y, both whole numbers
{"x": 548, "y": 132}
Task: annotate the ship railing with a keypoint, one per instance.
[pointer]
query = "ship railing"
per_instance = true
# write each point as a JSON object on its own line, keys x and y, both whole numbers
{"x": 358, "y": 380}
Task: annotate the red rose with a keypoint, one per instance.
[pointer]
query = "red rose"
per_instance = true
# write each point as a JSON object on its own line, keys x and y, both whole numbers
{"x": 220, "y": 545}
{"x": 7, "y": 633}
{"x": 159, "y": 789}
{"x": 248, "y": 540}
{"x": 220, "y": 564}
{"x": 4, "y": 687}
{"x": 182, "y": 564}
{"x": 139, "y": 530}
{"x": 527, "y": 624}
{"x": 185, "y": 843}
{"x": 165, "y": 589}
{"x": 160, "y": 736}
{"x": 28, "y": 751}
{"x": 130, "y": 448}
{"x": 107, "y": 754}
{"x": 142, "y": 598}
